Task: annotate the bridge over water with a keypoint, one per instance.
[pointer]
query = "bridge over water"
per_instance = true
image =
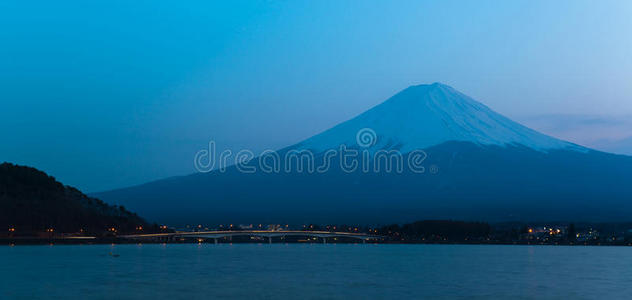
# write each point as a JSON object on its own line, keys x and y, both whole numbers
{"x": 269, "y": 234}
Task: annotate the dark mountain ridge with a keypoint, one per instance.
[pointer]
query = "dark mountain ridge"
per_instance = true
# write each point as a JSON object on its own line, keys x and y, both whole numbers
{"x": 32, "y": 201}
{"x": 467, "y": 181}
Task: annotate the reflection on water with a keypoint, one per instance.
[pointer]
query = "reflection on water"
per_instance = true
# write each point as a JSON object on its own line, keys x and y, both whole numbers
{"x": 313, "y": 271}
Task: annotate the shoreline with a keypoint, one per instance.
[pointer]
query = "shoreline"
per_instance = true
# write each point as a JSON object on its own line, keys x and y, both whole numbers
{"x": 121, "y": 241}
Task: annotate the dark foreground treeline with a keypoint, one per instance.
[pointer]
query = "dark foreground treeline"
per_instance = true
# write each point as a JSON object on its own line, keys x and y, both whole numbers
{"x": 449, "y": 231}
{"x": 427, "y": 231}
{"x": 552, "y": 233}
{"x": 33, "y": 203}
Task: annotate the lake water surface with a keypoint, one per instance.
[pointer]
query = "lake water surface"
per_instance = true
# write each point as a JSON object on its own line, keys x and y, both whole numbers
{"x": 247, "y": 271}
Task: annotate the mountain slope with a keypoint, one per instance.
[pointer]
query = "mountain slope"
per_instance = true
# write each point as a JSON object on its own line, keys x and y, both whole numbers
{"x": 32, "y": 201}
{"x": 479, "y": 166}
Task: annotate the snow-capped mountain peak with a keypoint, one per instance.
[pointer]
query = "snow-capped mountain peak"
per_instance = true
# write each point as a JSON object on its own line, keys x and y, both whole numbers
{"x": 422, "y": 116}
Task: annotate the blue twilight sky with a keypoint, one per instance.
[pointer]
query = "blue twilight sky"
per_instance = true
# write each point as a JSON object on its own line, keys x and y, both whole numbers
{"x": 105, "y": 94}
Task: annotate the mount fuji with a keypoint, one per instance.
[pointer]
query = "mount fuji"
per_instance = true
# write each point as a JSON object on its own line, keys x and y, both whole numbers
{"x": 427, "y": 115}
{"x": 480, "y": 166}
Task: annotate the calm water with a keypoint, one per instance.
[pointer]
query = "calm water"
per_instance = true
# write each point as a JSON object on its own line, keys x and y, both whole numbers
{"x": 313, "y": 271}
